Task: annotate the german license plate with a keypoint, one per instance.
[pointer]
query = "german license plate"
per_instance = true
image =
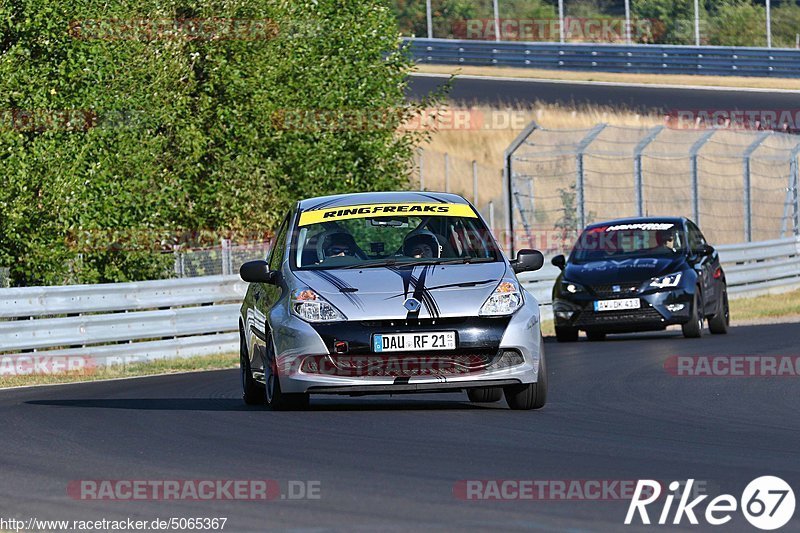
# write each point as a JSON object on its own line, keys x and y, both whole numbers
{"x": 617, "y": 305}
{"x": 404, "y": 342}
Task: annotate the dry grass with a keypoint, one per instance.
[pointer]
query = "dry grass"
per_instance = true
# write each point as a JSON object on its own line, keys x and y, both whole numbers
{"x": 609, "y": 167}
{"x": 162, "y": 366}
{"x": 769, "y": 306}
{"x": 664, "y": 79}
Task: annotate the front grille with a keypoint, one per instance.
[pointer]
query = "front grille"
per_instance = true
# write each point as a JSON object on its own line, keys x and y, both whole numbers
{"x": 625, "y": 290}
{"x": 628, "y": 316}
{"x": 403, "y": 365}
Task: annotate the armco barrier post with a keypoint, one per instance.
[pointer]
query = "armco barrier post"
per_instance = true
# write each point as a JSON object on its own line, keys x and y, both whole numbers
{"x": 698, "y": 144}
{"x": 795, "y": 180}
{"x": 637, "y": 167}
{"x": 225, "y": 245}
{"x": 746, "y": 186}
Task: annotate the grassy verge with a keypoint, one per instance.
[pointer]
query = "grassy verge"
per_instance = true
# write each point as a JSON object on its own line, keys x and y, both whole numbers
{"x": 767, "y": 306}
{"x": 649, "y": 79}
{"x": 162, "y": 366}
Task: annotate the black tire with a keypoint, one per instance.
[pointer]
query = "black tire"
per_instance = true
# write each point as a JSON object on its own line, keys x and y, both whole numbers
{"x": 529, "y": 395}
{"x": 718, "y": 324}
{"x": 252, "y": 392}
{"x": 566, "y": 334}
{"x": 485, "y": 394}
{"x": 272, "y": 395}
{"x": 596, "y": 335}
{"x": 694, "y": 328}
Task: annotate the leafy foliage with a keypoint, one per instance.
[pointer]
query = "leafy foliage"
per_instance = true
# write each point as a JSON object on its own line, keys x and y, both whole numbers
{"x": 181, "y": 133}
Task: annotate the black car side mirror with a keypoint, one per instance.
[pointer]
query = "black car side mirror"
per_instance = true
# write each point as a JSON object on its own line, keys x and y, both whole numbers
{"x": 560, "y": 261}
{"x": 527, "y": 261}
{"x": 704, "y": 251}
{"x": 258, "y": 272}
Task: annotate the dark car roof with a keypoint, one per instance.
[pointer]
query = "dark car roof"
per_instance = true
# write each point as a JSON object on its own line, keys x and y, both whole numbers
{"x": 637, "y": 220}
{"x": 380, "y": 198}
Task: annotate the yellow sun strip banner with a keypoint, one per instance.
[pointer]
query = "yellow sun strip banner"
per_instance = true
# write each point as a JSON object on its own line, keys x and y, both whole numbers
{"x": 385, "y": 210}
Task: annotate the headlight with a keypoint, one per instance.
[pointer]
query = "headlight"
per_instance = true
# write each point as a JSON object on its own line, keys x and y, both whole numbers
{"x": 506, "y": 299}
{"x": 666, "y": 282}
{"x": 571, "y": 288}
{"x": 312, "y": 307}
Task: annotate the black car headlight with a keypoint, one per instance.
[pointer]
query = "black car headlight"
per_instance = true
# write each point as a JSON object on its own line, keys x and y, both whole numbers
{"x": 569, "y": 287}
{"x": 666, "y": 282}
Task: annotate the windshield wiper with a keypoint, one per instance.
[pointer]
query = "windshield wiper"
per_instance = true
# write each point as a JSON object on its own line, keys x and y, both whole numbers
{"x": 387, "y": 262}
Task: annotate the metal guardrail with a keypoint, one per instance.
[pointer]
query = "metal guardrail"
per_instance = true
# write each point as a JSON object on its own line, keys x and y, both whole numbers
{"x": 198, "y": 316}
{"x": 750, "y": 269}
{"x": 649, "y": 59}
{"x": 106, "y": 322}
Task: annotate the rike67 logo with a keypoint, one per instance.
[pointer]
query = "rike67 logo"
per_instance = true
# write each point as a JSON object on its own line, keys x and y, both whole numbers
{"x": 767, "y": 503}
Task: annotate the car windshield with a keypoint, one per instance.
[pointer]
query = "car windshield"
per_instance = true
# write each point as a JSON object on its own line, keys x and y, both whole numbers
{"x": 646, "y": 239}
{"x": 391, "y": 234}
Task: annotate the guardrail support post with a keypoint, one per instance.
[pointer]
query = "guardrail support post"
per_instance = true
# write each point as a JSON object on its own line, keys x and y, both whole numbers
{"x": 747, "y": 190}
{"x": 793, "y": 194}
{"x": 508, "y": 179}
{"x": 580, "y": 197}
{"x": 698, "y": 144}
{"x": 637, "y": 167}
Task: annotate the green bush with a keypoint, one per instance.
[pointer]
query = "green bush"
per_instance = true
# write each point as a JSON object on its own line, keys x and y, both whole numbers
{"x": 181, "y": 133}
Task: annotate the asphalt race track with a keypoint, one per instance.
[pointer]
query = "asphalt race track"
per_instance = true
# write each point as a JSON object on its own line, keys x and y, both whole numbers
{"x": 642, "y": 99}
{"x": 614, "y": 413}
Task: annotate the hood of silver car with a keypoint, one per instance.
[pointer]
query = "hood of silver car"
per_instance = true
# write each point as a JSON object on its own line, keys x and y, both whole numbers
{"x": 384, "y": 292}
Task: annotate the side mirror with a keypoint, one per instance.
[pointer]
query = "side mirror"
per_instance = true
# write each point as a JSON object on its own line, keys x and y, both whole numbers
{"x": 257, "y": 272}
{"x": 560, "y": 261}
{"x": 527, "y": 261}
{"x": 704, "y": 251}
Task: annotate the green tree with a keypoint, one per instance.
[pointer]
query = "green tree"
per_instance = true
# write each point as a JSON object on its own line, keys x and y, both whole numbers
{"x": 184, "y": 134}
{"x": 739, "y": 23}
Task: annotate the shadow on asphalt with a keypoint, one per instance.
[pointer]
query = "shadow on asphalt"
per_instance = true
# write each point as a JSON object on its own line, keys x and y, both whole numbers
{"x": 235, "y": 404}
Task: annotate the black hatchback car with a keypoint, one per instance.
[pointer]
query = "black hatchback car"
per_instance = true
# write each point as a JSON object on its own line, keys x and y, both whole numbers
{"x": 639, "y": 274}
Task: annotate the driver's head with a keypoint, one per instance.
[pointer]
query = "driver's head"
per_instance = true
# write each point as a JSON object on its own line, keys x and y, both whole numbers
{"x": 666, "y": 238}
{"x": 422, "y": 245}
{"x": 338, "y": 245}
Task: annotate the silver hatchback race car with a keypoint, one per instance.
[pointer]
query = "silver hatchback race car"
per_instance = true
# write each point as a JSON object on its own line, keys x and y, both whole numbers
{"x": 388, "y": 293}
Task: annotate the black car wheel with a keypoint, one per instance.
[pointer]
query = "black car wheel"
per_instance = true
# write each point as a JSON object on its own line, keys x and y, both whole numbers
{"x": 718, "y": 324}
{"x": 566, "y": 334}
{"x": 485, "y": 394}
{"x": 530, "y": 395}
{"x": 252, "y": 394}
{"x": 693, "y": 329}
{"x": 274, "y": 397}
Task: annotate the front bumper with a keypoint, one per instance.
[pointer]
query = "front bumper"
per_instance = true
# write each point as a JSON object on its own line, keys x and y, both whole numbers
{"x": 658, "y": 310}
{"x": 491, "y": 352}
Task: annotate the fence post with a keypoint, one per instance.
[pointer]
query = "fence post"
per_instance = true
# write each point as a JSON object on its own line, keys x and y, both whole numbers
{"x": 580, "y": 197}
{"x": 795, "y": 190}
{"x": 446, "y": 172}
{"x": 226, "y": 257}
{"x": 698, "y": 144}
{"x": 474, "y": 183}
{"x": 508, "y": 177}
{"x": 421, "y": 153}
{"x": 747, "y": 189}
{"x": 637, "y": 167}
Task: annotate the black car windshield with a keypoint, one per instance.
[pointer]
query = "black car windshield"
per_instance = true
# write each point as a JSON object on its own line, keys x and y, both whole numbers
{"x": 643, "y": 239}
{"x": 391, "y": 234}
